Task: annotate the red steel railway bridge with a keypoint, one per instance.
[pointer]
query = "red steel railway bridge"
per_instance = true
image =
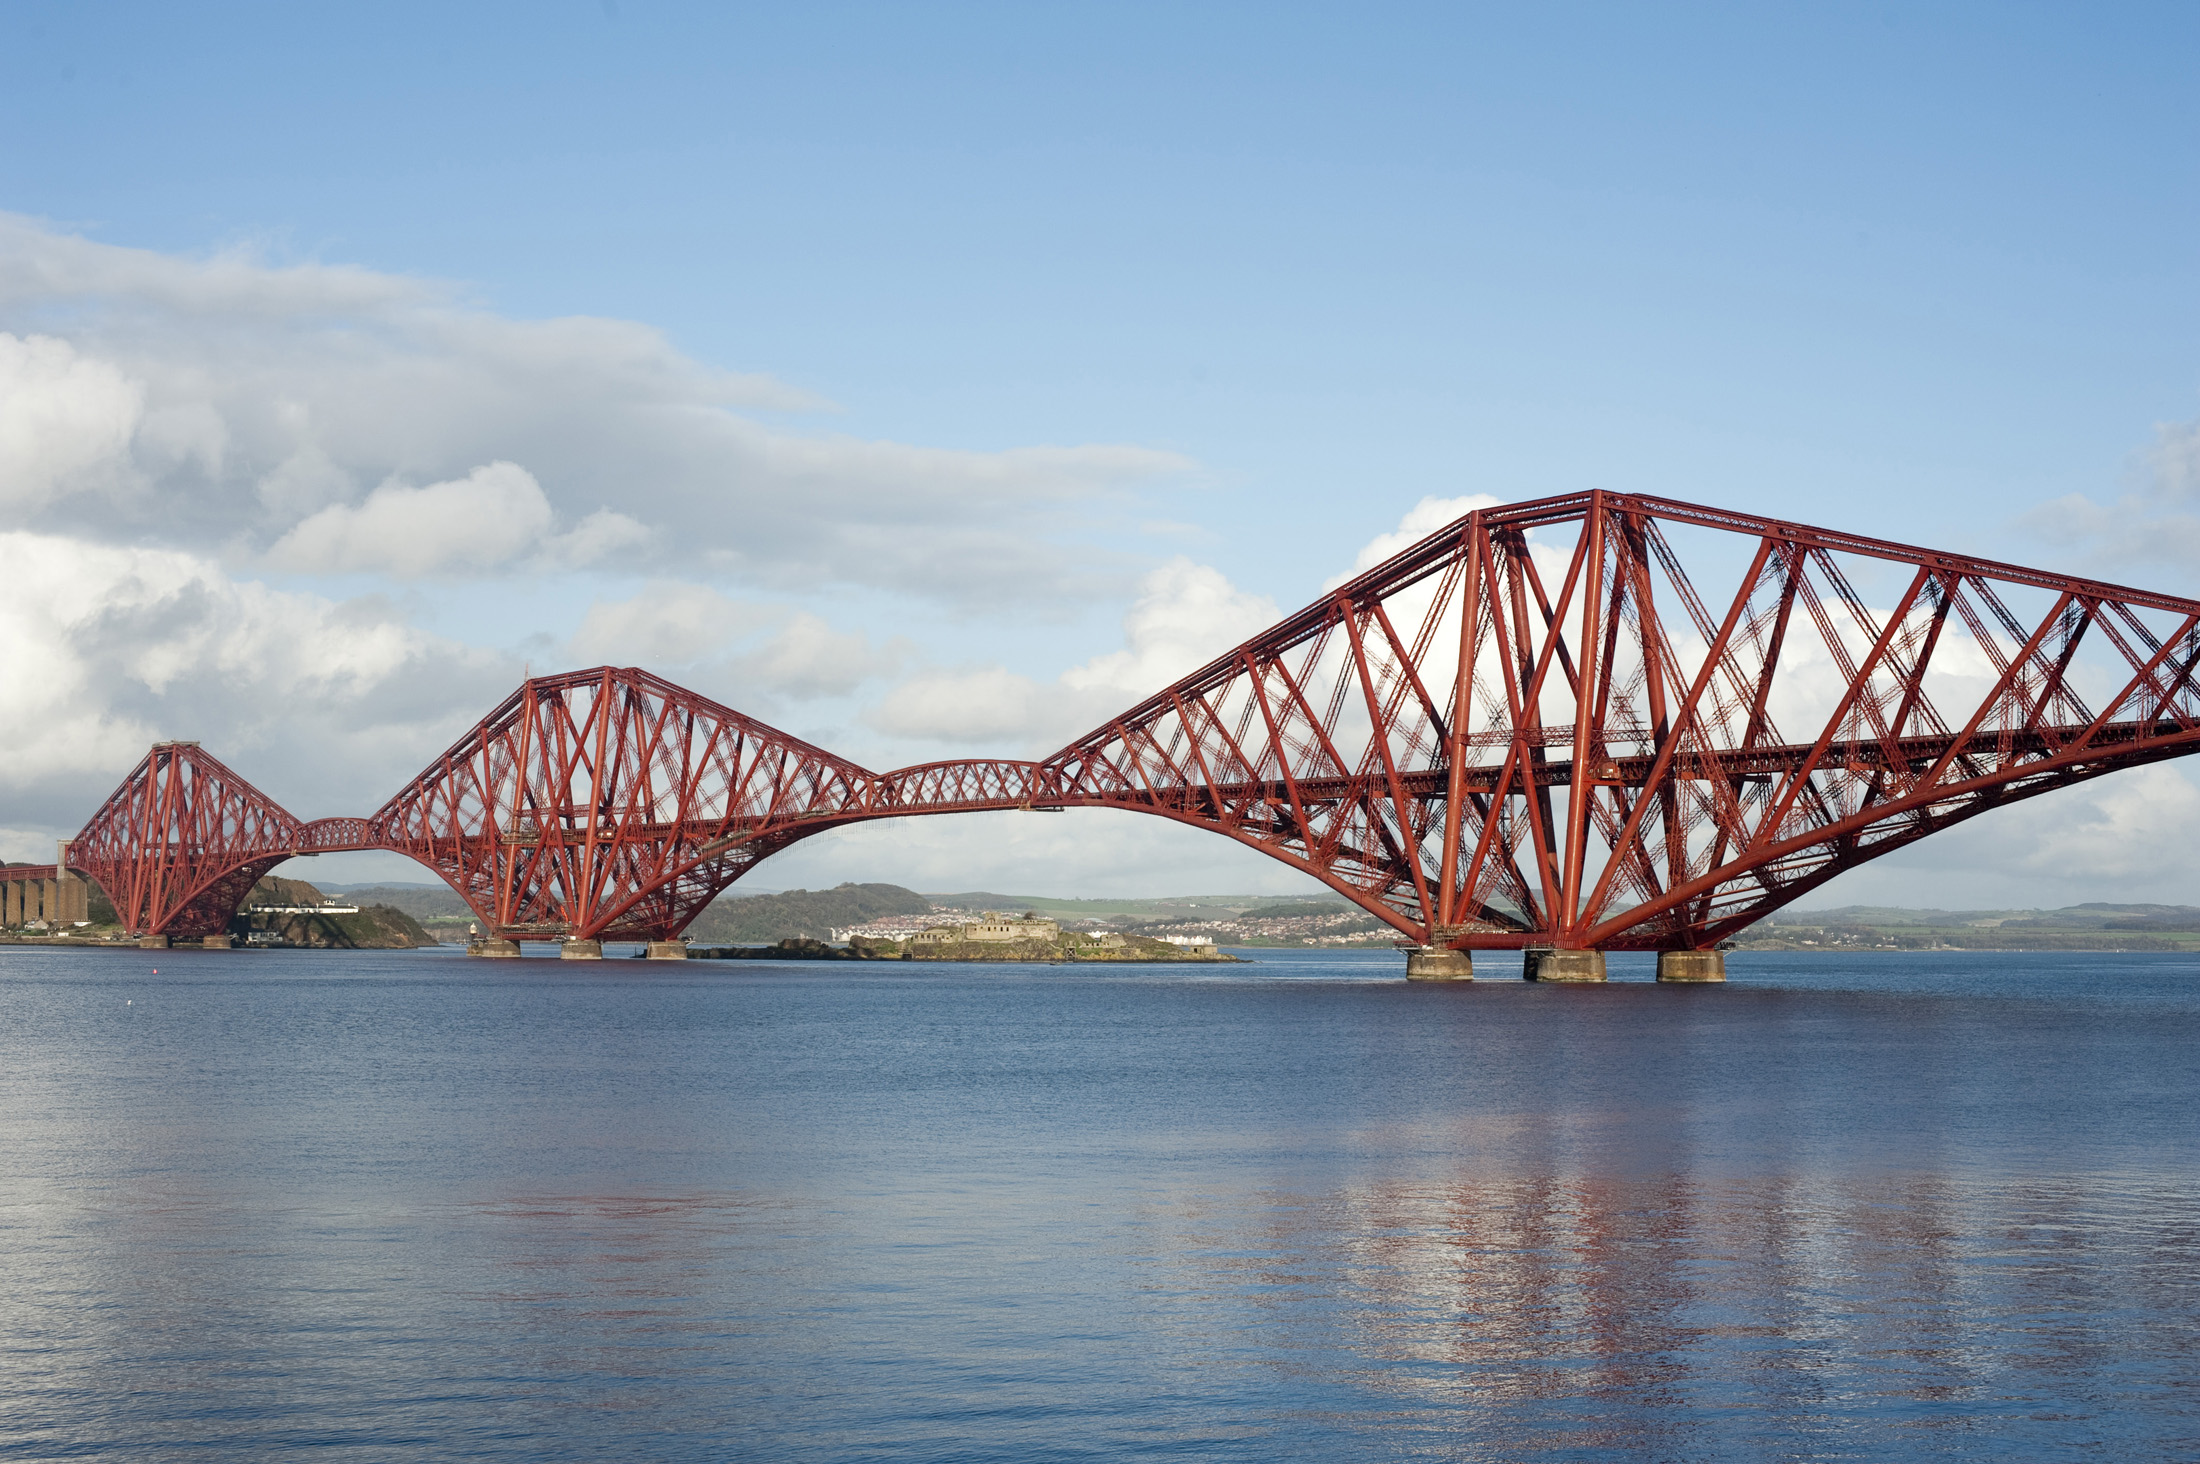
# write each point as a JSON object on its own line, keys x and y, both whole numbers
{"x": 1534, "y": 730}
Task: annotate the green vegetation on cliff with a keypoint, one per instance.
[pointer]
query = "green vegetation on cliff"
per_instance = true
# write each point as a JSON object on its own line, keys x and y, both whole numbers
{"x": 372, "y": 927}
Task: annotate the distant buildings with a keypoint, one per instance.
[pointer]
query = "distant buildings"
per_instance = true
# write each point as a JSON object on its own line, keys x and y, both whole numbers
{"x": 991, "y": 926}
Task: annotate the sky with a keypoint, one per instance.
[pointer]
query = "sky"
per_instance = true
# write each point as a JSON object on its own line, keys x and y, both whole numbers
{"x": 922, "y": 378}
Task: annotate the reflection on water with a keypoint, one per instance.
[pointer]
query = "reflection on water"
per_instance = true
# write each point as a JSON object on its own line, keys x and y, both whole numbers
{"x": 1759, "y": 1318}
{"x": 397, "y": 1206}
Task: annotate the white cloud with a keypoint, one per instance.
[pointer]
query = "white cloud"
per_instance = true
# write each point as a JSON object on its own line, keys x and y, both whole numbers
{"x": 2154, "y": 528}
{"x": 973, "y": 706}
{"x": 270, "y": 396}
{"x": 2125, "y": 838}
{"x": 27, "y": 846}
{"x": 63, "y": 418}
{"x": 1420, "y": 521}
{"x": 326, "y": 705}
{"x": 2123, "y": 828}
{"x": 667, "y": 624}
{"x": 756, "y": 653}
{"x": 806, "y": 659}
{"x": 495, "y": 515}
{"x": 190, "y": 435}
{"x": 1185, "y": 615}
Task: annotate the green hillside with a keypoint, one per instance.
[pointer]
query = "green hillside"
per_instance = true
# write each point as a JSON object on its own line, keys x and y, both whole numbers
{"x": 422, "y": 902}
{"x": 792, "y": 913}
{"x": 2088, "y": 927}
{"x": 1170, "y": 908}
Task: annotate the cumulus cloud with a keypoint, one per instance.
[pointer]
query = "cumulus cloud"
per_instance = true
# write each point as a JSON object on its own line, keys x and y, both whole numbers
{"x": 1420, "y": 521}
{"x": 495, "y": 515}
{"x": 2125, "y": 838}
{"x": 974, "y": 706}
{"x": 66, "y": 420}
{"x": 326, "y": 705}
{"x": 242, "y": 393}
{"x": 1185, "y": 615}
{"x": 805, "y": 658}
{"x": 667, "y": 624}
{"x": 756, "y": 653}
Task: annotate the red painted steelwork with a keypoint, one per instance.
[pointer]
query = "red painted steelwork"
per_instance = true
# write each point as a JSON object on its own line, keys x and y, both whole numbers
{"x": 181, "y": 843}
{"x": 611, "y": 803}
{"x": 1528, "y": 729}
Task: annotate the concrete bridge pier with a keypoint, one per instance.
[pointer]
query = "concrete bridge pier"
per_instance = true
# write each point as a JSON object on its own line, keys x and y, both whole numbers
{"x": 1691, "y": 966}
{"x": 675, "y": 950}
{"x": 507, "y": 950}
{"x": 152, "y": 942}
{"x": 217, "y": 942}
{"x": 1438, "y": 963}
{"x": 581, "y": 950}
{"x": 1553, "y": 965}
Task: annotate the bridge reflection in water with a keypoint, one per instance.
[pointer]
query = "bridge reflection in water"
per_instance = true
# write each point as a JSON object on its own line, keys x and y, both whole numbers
{"x": 1911, "y": 1207}
{"x": 1585, "y": 1315}
{"x": 1532, "y": 730}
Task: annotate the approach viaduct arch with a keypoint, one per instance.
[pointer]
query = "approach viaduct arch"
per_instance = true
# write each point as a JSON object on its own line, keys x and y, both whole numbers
{"x": 1528, "y": 730}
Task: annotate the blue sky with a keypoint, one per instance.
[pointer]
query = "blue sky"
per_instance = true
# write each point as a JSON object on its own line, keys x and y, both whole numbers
{"x": 1279, "y": 272}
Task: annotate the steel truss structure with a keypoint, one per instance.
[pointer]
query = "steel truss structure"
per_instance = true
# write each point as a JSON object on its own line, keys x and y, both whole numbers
{"x": 1529, "y": 729}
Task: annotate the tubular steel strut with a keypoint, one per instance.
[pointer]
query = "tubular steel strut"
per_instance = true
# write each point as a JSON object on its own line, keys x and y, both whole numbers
{"x": 1501, "y": 737}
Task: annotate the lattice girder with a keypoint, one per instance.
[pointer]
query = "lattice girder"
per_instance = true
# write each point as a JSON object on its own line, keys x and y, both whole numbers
{"x": 1528, "y": 729}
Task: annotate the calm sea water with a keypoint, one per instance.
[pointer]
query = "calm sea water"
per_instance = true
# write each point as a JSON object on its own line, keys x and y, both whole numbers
{"x": 409, "y": 1206}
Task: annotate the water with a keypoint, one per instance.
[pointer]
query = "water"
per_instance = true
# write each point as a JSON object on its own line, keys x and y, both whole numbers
{"x": 408, "y": 1206}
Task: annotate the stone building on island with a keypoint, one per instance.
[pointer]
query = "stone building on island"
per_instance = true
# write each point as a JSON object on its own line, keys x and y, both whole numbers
{"x": 991, "y": 926}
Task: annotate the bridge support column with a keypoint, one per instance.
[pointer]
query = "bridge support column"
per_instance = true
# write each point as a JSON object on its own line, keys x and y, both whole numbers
{"x": 1438, "y": 963}
{"x": 502, "y": 949}
{"x": 1691, "y": 966}
{"x": 581, "y": 950}
{"x": 75, "y": 891}
{"x": 152, "y": 942}
{"x": 668, "y": 950}
{"x": 1547, "y": 965}
{"x": 217, "y": 942}
{"x": 11, "y": 902}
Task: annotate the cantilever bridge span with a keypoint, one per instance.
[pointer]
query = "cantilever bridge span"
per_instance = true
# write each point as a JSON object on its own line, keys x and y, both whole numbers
{"x": 1534, "y": 728}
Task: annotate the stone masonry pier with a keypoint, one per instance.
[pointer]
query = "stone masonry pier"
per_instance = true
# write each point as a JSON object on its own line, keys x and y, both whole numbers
{"x": 53, "y": 893}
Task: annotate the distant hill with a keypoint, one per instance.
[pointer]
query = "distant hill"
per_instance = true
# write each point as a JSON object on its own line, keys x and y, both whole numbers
{"x": 2094, "y": 926}
{"x": 421, "y": 901}
{"x": 733, "y": 920}
{"x": 1164, "y": 908}
{"x": 2093, "y": 915}
{"x": 739, "y": 916}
